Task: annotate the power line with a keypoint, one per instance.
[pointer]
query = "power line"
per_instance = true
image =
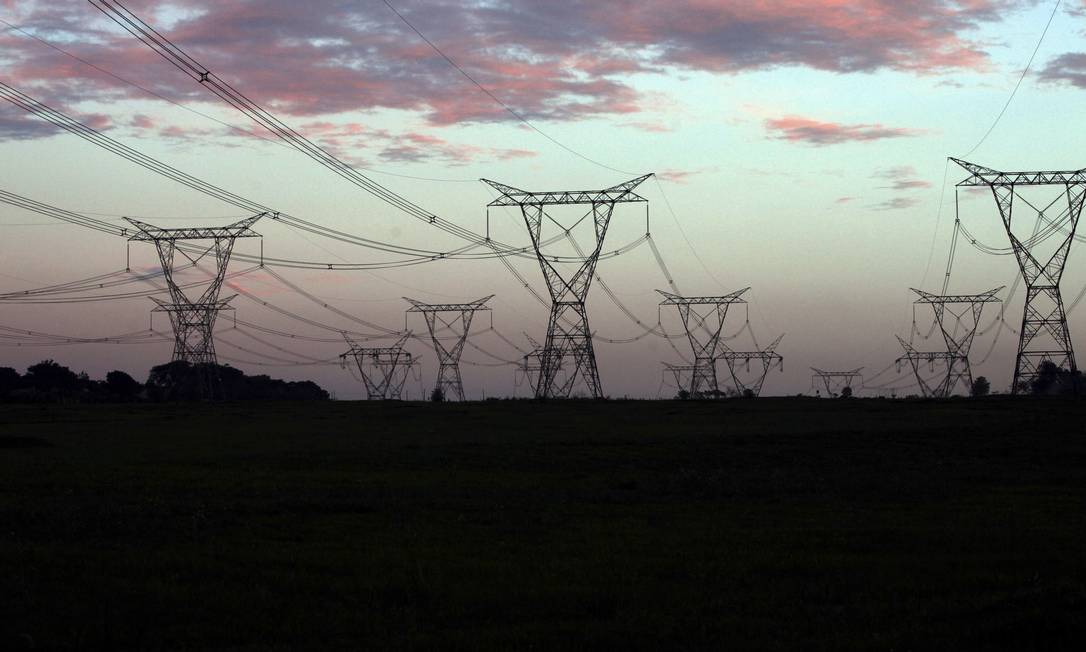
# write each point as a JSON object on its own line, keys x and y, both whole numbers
{"x": 494, "y": 97}
{"x": 1019, "y": 83}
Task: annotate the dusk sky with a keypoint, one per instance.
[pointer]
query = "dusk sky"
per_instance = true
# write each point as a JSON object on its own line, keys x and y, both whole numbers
{"x": 800, "y": 145}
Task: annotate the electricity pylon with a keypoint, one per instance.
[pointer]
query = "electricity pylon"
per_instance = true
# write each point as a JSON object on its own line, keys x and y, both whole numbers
{"x": 836, "y": 382}
{"x": 193, "y": 320}
{"x": 766, "y": 359}
{"x": 449, "y": 382}
{"x": 703, "y": 318}
{"x": 384, "y": 369}
{"x": 530, "y": 366}
{"x": 1044, "y": 336}
{"x": 958, "y": 337}
{"x": 568, "y": 334}
{"x": 683, "y": 375}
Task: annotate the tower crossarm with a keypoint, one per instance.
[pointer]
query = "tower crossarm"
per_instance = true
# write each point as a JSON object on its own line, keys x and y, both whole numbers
{"x": 851, "y": 372}
{"x": 983, "y": 297}
{"x": 621, "y": 193}
{"x": 240, "y": 229}
{"x": 478, "y": 304}
{"x": 676, "y": 300}
{"x": 983, "y": 176}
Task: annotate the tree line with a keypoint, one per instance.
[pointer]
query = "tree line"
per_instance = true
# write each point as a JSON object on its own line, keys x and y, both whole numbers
{"x": 49, "y": 381}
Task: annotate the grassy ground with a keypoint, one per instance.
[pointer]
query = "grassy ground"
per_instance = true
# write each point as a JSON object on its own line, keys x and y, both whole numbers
{"x": 765, "y": 524}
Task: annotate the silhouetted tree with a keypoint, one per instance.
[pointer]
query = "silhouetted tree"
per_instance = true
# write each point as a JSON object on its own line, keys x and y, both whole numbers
{"x": 980, "y": 387}
{"x": 683, "y": 395}
{"x": 438, "y": 395}
{"x": 846, "y": 392}
{"x": 51, "y": 380}
{"x": 10, "y": 380}
{"x": 181, "y": 381}
{"x": 1052, "y": 380}
{"x": 748, "y": 393}
{"x": 122, "y": 386}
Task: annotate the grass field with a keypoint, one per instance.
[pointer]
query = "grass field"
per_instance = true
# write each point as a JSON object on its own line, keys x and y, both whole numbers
{"x": 744, "y": 524}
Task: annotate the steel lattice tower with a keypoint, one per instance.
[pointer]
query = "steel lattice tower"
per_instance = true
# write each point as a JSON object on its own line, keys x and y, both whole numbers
{"x": 767, "y": 358}
{"x": 957, "y": 337}
{"x": 1044, "y": 335}
{"x": 193, "y": 321}
{"x": 448, "y": 372}
{"x": 530, "y": 365}
{"x": 836, "y": 381}
{"x": 568, "y": 333}
{"x": 384, "y": 369}
{"x": 703, "y": 319}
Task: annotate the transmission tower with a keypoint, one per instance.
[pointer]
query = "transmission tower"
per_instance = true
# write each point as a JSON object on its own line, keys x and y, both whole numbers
{"x": 530, "y": 365}
{"x": 765, "y": 360}
{"x": 958, "y": 337}
{"x": 384, "y": 369}
{"x": 568, "y": 334}
{"x": 449, "y": 382}
{"x": 193, "y": 320}
{"x": 703, "y": 318}
{"x": 836, "y": 381}
{"x": 1044, "y": 335}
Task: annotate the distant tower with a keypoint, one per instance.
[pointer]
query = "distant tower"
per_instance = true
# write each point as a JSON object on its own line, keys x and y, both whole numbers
{"x": 958, "y": 328}
{"x": 568, "y": 334}
{"x": 835, "y": 382}
{"x": 765, "y": 360}
{"x": 384, "y": 369}
{"x": 449, "y": 382}
{"x": 703, "y": 319}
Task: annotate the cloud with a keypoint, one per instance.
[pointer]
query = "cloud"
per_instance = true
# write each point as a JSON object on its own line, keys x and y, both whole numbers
{"x": 814, "y": 132}
{"x": 681, "y": 176}
{"x": 903, "y": 177}
{"x": 897, "y": 203}
{"x": 1069, "y": 68}
{"x": 561, "y": 60}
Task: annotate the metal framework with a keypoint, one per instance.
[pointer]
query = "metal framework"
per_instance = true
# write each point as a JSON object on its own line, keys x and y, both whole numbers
{"x": 384, "y": 369}
{"x": 1044, "y": 336}
{"x": 568, "y": 333}
{"x": 766, "y": 360}
{"x": 703, "y": 318}
{"x": 836, "y": 381}
{"x": 193, "y": 320}
{"x": 449, "y": 382}
{"x": 958, "y": 337}
{"x": 530, "y": 365}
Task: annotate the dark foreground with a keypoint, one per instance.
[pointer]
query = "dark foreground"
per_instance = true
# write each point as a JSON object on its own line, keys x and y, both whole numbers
{"x": 767, "y": 524}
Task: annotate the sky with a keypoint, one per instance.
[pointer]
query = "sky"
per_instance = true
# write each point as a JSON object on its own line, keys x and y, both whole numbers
{"x": 800, "y": 148}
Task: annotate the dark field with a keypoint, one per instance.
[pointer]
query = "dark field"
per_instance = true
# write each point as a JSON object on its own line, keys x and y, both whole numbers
{"x": 746, "y": 524}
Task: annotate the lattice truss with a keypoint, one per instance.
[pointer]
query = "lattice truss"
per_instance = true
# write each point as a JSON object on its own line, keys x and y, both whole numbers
{"x": 835, "y": 382}
{"x": 1044, "y": 336}
{"x": 528, "y": 370}
{"x": 454, "y": 319}
{"x": 749, "y": 369}
{"x": 568, "y": 279}
{"x": 703, "y": 320}
{"x": 193, "y": 320}
{"x": 957, "y": 316}
{"x": 384, "y": 369}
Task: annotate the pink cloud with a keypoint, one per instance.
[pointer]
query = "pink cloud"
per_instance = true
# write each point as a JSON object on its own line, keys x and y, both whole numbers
{"x": 902, "y": 177}
{"x": 141, "y": 121}
{"x": 560, "y": 60}
{"x": 815, "y": 132}
{"x": 680, "y": 176}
